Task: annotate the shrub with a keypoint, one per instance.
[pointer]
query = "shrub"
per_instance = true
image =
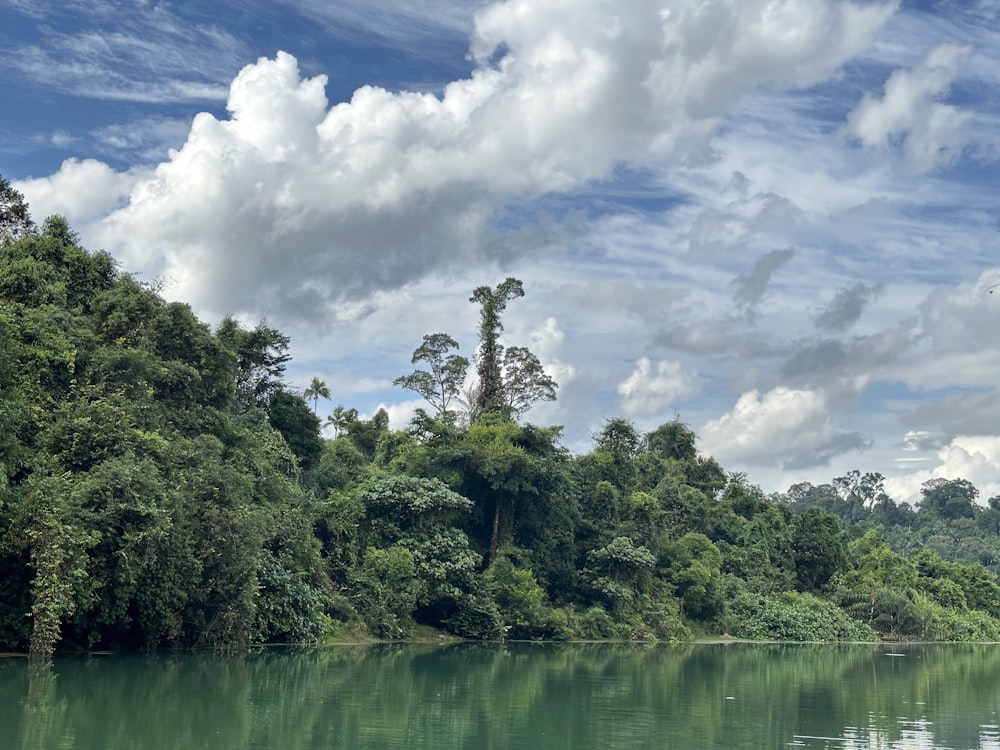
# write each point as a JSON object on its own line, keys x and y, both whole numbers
{"x": 521, "y": 603}
{"x": 792, "y": 616}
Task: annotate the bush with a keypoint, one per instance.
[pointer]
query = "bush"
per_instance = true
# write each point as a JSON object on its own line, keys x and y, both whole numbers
{"x": 288, "y": 609}
{"x": 476, "y": 616}
{"x": 521, "y": 603}
{"x": 958, "y": 623}
{"x": 792, "y": 616}
{"x": 661, "y": 620}
{"x": 594, "y": 624}
{"x": 891, "y": 612}
{"x": 387, "y": 591}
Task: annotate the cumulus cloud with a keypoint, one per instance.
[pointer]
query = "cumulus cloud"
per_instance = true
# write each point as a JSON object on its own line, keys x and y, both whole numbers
{"x": 546, "y": 344}
{"x": 400, "y": 414}
{"x": 911, "y": 114}
{"x": 975, "y": 458}
{"x": 292, "y": 205}
{"x": 81, "y": 190}
{"x": 648, "y": 390}
{"x": 784, "y": 427}
{"x": 547, "y": 339}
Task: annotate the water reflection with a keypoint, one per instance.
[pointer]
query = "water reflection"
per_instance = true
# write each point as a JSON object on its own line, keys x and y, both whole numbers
{"x": 912, "y": 735}
{"x": 512, "y": 696}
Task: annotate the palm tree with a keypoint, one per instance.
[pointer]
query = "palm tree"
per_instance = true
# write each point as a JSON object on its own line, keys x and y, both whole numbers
{"x": 340, "y": 419}
{"x": 317, "y": 389}
{"x": 468, "y": 403}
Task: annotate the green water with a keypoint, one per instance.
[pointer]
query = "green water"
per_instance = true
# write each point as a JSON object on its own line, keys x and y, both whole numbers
{"x": 513, "y": 696}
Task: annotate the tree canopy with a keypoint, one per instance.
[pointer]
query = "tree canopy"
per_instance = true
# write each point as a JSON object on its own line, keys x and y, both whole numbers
{"x": 161, "y": 486}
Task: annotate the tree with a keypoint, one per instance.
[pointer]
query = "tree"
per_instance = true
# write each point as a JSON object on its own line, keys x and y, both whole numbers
{"x": 619, "y": 438}
{"x": 511, "y": 380}
{"x": 674, "y": 440}
{"x": 15, "y": 221}
{"x": 14, "y": 411}
{"x": 261, "y": 355}
{"x": 948, "y": 498}
{"x": 317, "y": 389}
{"x": 491, "y": 398}
{"x": 818, "y": 547}
{"x": 290, "y": 416}
{"x": 879, "y": 588}
{"x": 341, "y": 419}
{"x": 198, "y": 368}
{"x": 616, "y": 447}
{"x": 515, "y": 476}
{"x": 521, "y": 602}
{"x": 620, "y": 571}
{"x": 804, "y": 495}
{"x": 694, "y": 568}
{"x": 421, "y": 515}
{"x": 525, "y": 381}
{"x": 869, "y": 488}
{"x": 365, "y": 433}
{"x": 443, "y": 383}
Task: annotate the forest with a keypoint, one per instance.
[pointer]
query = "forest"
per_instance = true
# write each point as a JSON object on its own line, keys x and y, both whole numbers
{"x": 163, "y": 486}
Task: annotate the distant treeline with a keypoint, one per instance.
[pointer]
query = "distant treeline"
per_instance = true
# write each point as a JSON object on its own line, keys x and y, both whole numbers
{"x": 163, "y": 486}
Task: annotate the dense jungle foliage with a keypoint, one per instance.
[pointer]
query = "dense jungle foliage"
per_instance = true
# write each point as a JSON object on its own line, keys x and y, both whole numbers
{"x": 164, "y": 486}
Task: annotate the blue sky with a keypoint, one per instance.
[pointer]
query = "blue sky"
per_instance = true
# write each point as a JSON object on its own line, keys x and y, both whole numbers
{"x": 773, "y": 219}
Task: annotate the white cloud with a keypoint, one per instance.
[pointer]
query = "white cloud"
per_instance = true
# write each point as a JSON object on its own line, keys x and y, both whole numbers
{"x": 546, "y": 344}
{"x": 910, "y": 111}
{"x": 289, "y": 206}
{"x": 81, "y": 190}
{"x": 789, "y": 428}
{"x": 547, "y": 339}
{"x": 401, "y": 413}
{"x": 628, "y": 165}
{"x": 648, "y": 391}
{"x": 972, "y": 457}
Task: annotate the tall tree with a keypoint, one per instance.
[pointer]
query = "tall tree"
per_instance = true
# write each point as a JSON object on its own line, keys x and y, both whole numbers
{"x": 317, "y": 389}
{"x": 443, "y": 383}
{"x": 493, "y": 302}
{"x": 511, "y": 380}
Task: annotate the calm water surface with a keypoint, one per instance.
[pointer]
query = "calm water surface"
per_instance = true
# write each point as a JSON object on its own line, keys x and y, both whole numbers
{"x": 512, "y": 696}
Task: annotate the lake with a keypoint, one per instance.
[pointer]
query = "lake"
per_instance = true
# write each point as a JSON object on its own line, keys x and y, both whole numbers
{"x": 495, "y": 697}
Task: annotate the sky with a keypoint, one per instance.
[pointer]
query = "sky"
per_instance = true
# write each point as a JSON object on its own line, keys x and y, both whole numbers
{"x": 774, "y": 220}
